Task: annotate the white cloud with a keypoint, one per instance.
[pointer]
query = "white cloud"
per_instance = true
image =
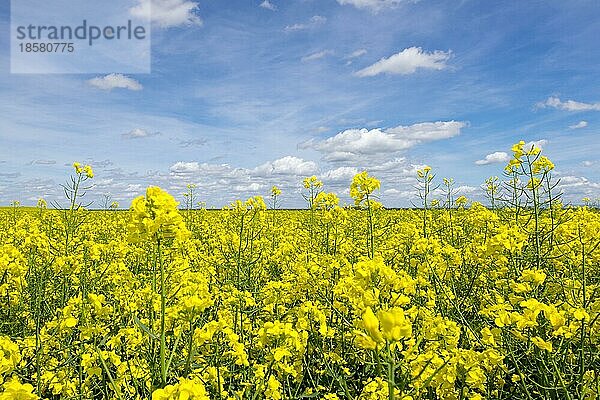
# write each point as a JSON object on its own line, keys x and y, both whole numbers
{"x": 493, "y": 158}
{"x": 536, "y": 143}
{"x": 466, "y": 189}
{"x": 392, "y": 191}
{"x": 288, "y": 165}
{"x": 374, "y": 5}
{"x": 588, "y": 163}
{"x": 571, "y": 180}
{"x": 340, "y": 174}
{"x": 407, "y": 62}
{"x": 167, "y": 13}
{"x": 268, "y": 5}
{"x": 579, "y": 125}
{"x": 357, "y": 53}
{"x": 316, "y": 56}
{"x": 314, "y": 21}
{"x": 397, "y": 166}
{"x": 569, "y": 105}
{"x": 295, "y": 27}
{"x": 139, "y": 133}
{"x": 182, "y": 167}
{"x": 350, "y": 143}
{"x": 284, "y": 172}
{"x": 115, "y": 81}
{"x": 133, "y": 188}
{"x": 404, "y": 194}
{"x": 249, "y": 187}
{"x": 577, "y": 187}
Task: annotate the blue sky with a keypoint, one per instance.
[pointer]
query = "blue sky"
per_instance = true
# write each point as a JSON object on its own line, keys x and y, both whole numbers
{"x": 247, "y": 94}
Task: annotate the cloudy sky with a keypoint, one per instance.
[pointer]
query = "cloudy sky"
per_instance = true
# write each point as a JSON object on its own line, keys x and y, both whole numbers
{"x": 247, "y": 94}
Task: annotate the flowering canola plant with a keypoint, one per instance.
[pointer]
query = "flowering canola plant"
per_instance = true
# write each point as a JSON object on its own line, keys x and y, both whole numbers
{"x": 454, "y": 300}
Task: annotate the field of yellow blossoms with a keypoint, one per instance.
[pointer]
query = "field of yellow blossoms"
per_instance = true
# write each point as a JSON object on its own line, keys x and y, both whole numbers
{"x": 452, "y": 300}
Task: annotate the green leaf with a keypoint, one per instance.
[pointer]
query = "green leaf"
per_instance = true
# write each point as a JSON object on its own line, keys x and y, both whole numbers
{"x": 144, "y": 328}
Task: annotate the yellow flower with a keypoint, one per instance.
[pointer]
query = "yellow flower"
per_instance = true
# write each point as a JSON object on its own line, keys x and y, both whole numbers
{"x": 534, "y": 276}
{"x": 272, "y": 390}
{"x": 78, "y": 167}
{"x": 488, "y": 337}
{"x": 15, "y": 390}
{"x": 394, "y": 325}
{"x": 542, "y": 344}
{"x": 517, "y": 149}
{"x": 422, "y": 172}
{"x": 461, "y": 201}
{"x": 155, "y": 216}
{"x": 312, "y": 182}
{"x": 556, "y": 318}
{"x": 185, "y": 389}
{"x": 581, "y": 314}
{"x": 363, "y": 186}
{"x": 476, "y": 378}
{"x": 542, "y": 164}
{"x": 9, "y": 356}
{"x": 512, "y": 165}
{"x": 88, "y": 171}
{"x": 371, "y": 325}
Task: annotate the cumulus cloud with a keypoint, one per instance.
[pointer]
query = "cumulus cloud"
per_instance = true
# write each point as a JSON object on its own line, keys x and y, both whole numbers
{"x": 139, "y": 133}
{"x": 579, "y": 125}
{"x": 340, "y": 174}
{"x": 466, "y": 189}
{"x": 182, "y": 167}
{"x": 569, "y": 105}
{"x": 494, "y": 158}
{"x": 573, "y": 181}
{"x": 351, "y": 143}
{"x": 268, "y": 5}
{"x": 374, "y": 5}
{"x": 249, "y": 187}
{"x": 577, "y": 187}
{"x": 167, "y": 13}
{"x": 288, "y": 165}
{"x": 406, "y": 62}
{"x": 314, "y": 21}
{"x": 218, "y": 172}
{"x": 115, "y": 81}
{"x": 316, "y": 56}
{"x": 224, "y": 183}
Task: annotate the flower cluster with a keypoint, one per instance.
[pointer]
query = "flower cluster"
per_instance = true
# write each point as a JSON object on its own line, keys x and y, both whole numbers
{"x": 454, "y": 300}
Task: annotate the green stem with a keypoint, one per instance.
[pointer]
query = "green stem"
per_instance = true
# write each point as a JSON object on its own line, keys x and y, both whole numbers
{"x": 163, "y": 364}
{"x": 391, "y": 372}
